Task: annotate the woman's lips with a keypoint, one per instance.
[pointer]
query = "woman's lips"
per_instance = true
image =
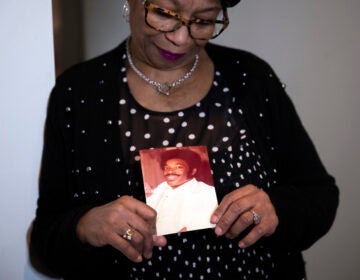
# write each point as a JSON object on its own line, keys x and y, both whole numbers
{"x": 169, "y": 55}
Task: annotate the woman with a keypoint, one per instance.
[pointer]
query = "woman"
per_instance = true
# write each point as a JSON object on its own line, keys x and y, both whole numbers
{"x": 165, "y": 86}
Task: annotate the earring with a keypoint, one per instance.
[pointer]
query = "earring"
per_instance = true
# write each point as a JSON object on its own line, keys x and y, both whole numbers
{"x": 126, "y": 10}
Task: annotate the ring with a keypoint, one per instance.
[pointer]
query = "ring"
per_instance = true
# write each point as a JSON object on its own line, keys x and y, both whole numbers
{"x": 256, "y": 217}
{"x": 128, "y": 234}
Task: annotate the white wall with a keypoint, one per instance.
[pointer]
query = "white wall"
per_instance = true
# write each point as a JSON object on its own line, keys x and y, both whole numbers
{"x": 26, "y": 77}
{"x": 314, "y": 47}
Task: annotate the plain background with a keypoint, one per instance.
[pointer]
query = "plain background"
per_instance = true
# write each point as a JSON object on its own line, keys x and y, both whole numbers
{"x": 313, "y": 45}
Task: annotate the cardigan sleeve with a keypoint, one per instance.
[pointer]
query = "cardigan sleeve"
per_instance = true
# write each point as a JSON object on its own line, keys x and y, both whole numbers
{"x": 305, "y": 196}
{"x": 53, "y": 238}
{"x": 67, "y": 189}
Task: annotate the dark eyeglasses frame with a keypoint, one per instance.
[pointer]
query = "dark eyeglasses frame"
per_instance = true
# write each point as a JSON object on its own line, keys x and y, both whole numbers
{"x": 185, "y": 22}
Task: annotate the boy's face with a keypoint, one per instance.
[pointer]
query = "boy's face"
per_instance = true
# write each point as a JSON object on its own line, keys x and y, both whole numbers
{"x": 177, "y": 172}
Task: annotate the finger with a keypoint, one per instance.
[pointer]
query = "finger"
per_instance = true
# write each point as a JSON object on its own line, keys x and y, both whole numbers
{"x": 242, "y": 222}
{"x": 229, "y": 199}
{"x": 252, "y": 237}
{"x": 234, "y": 213}
{"x": 142, "y": 235}
{"x": 159, "y": 240}
{"x": 137, "y": 240}
{"x": 125, "y": 247}
{"x": 266, "y": 227}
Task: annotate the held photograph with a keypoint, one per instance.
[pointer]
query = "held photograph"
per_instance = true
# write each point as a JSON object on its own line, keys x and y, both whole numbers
{"x": 179, "y": 185}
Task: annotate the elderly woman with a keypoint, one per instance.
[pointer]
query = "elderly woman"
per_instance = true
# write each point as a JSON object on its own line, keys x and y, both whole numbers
{"x": 167, "y": 86}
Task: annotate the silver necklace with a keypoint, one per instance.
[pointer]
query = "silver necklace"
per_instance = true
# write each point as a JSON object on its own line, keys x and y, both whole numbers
{"x": 164, "y": 88}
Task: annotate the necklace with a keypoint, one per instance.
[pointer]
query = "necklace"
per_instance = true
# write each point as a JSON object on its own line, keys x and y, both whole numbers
{"x": 164, "y": 88}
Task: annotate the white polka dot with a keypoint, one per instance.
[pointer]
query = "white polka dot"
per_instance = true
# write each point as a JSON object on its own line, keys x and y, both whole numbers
{"x": 122, "y": 101}
{"x": 146, "y": 116}
{"x": 202, "y": 114}
{"x": 132, "y": 111}
{"x": 225, "y": 139}
{"x": 210, "y": 127}
{"x": 225, "y": 89}
{"x": 217, "y": 104}
{"x": 166, "y": 120}
{"x": 128, "y": 133}
{"x": 165, "y": 143}
{"x": 215, "y": 149}
{"x": 171, "y": 130}
{"x": 147, "y": 136}
{"x": 181, "y": 114}
{"x": 191, "y": 136}
{"x": 179, "y": 144}
{"x": 184, "y": 124}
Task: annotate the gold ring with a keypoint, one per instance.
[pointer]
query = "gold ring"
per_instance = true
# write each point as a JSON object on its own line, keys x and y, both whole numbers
{"x": 128, "y": 234}
{"x": 256, "y": 217}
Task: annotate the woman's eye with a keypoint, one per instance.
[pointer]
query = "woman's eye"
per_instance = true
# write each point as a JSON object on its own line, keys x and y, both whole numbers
{"x": 161, "y": 13}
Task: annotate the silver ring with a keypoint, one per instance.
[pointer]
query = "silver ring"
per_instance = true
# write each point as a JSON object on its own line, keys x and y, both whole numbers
{"x": 256, "y": 217}
{"x": 128, "y": 234}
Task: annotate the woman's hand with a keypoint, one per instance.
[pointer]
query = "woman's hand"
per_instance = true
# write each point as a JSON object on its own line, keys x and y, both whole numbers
{"x": 242, "y": 208}
{"x": 108, "y": 224}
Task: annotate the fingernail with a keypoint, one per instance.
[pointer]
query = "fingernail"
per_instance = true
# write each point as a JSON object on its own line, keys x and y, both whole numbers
{"x": 214, "y": 219}
{"x": 148, "y": 256}
{"x": 218, "y": 231}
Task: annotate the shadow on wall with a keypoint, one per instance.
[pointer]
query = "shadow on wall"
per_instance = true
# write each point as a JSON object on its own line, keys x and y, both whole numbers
{"x": 68, "y": 33}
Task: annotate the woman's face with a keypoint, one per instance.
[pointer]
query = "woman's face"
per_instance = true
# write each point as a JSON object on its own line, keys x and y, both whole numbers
{"x": 177, "y": 172}
{"x": 169, "y": 50}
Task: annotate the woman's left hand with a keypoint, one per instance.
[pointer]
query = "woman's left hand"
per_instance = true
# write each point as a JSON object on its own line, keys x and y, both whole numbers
{"x": 245, "y": 207}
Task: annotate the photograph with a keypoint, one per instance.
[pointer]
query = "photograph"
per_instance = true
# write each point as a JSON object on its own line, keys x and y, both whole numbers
{"x": 179, "y": 186}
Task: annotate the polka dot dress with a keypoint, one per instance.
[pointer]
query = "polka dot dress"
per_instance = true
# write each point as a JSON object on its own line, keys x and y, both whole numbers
{"x": 217, "y": 121}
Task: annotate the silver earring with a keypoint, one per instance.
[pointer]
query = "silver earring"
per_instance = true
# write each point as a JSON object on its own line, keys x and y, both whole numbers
{"x": 126, "y": 10}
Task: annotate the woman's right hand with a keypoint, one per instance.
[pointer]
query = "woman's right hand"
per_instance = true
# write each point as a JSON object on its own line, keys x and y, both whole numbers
{"x": 106, "y": 225}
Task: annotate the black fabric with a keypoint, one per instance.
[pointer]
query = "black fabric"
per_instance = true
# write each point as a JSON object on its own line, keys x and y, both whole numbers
{"x": 304, "y": 194}
{"x": 230, "y": 3}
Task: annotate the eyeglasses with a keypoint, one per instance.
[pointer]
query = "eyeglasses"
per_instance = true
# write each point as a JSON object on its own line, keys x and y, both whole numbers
{"x": 165, "y": 20}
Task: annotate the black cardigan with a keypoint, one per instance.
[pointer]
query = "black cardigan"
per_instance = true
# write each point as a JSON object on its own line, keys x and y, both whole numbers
{"x": 305, "y": 196}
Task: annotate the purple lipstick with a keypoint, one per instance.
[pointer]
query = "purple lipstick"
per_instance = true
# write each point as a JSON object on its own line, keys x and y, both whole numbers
{"x": 169, "y": 55}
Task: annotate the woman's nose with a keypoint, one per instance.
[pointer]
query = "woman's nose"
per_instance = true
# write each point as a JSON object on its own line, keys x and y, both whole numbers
{"x": 179, "y": 36}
